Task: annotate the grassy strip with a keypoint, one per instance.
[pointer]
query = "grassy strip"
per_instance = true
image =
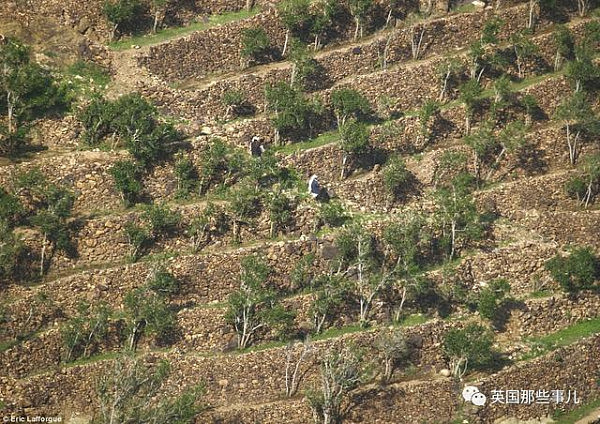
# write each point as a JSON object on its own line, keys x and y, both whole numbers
{"x": 170, "y": 33}
{"x": 575, "y": 415}
{"x": 561, "y": 338}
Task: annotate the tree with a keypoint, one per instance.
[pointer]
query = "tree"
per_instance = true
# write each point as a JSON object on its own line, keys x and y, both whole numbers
{"x": 328, "y": 299}
{"x": 186, "y": 174}
{"x": 360, "y": 10}
{"x": 212, "y": 220}
{"x": 354, "y": 141}
{"x": 120, "y": 13}
{"x": 468, "y": 347}
{"x": 332, "y": 213}
{"x": 395, "y": 176}
{"x": 449, "y": 72}
{"x": 491, "y": 29}
{"x": 162, "y": 220}
{"x": 303, "y": 65}
{"x": 523, "y": 49}
{"x": 578, "y": 271}
{"x": 162, "y": 282}
{"x": 131, "y": 392}
{"x": 583, "y": 7}
{"x": 147, "y": 313}
{"x": 255, "y": 45}
{"x": 158, "y": 9}
{"x": 234, "y": 101}
{"x": 51, "y": 220}
{"x": 292, "y": 378}
{"x": 254, "y": 306}
{"x": 27, "y": 91}
{"x": 457, "y": 214}
{"x": 280, "y": 212}
{"x": 293, "y": 113}
{"x": 371, "y": 273}
{"x": 138, "y": 238}
{"x": 393, "y": 349}
{"x": 126, "y": 176}
{"x": 83, "y": 333}
{"x": 585, "y": 188}
{"x": 565, "y": 46}
{"x": 341, "y": 372}
{"x": 470, "y": 96}
{"x": 348, "y": 103}
{"x": 323, "y": 14}
{"x": 427, "y": 116}
{"x": 577, "y": 116}
{"x": 491, "y": 298}
{"x": 245, "y": 205}
{"x": 583, "y": 72}
{"x": 295, "y": 16}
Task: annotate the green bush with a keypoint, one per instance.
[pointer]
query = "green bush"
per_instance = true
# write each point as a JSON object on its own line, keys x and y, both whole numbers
{"x": 162, "y": 220}
{"x": 395, "y": 175}
{"x": 255, "y": 44}
{"x": 126, "y": 175}
{"x": 187, "y": 176}
{"x": 121, "y": 13}
{"x": 468, "y": 347}
{"x": 138, "y": 238}
{"x": 578, "y": 271}
{"x": 491, "y": 299}
{"x": 163, "y": 282}
{"x": 333, "y": 214}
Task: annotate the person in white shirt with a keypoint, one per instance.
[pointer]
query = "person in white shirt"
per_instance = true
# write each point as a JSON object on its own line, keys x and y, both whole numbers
{"x": 314, "y": 188}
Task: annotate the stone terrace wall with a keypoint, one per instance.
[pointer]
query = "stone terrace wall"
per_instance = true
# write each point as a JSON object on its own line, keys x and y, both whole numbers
{"x": 445, "y": 34}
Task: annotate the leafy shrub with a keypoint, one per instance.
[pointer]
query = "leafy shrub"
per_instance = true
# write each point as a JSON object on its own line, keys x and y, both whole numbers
{"x": 332, "y": 213}
{"x": 468, "y": 347}
{"x": 186, "y": 174}
{"x": 491, "y": 298}
{"x": 163, "y": 282}
{"x": 126, "y": 176}
{"x": 162, "y": 220}
{"x": 395, "y": 175}
{"x": 578, "y": 271}
{"x": 255, "y": 44}
{"x": 138, "y": 238}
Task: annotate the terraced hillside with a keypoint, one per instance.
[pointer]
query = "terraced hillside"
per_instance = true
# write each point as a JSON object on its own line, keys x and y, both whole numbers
{"x": 157, "y": 265}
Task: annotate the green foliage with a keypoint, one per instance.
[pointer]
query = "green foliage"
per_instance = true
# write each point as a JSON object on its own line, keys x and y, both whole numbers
{"x": 235, "y": 101}
{"x": 212, "y": 220}
{"x": 27, "y": 91}
{"x": 565, "y": 45}
{"x": 84, "y": 333}
{"x": 523, "y": 49}
{"x": 428, "y": 111}
{"x": 395, "y": 175}
{"x": 254, "y": 306}
{"x": 11, "y": 209}
{"x": 280, "y": 212}
{"x": 126, "y": 176}
{"x": 255, "y": 43}
{"x": 186, "y": 174}
{"x": 12, "y": 252}
{"x": 457, "y": 216}
{"x": 162, "y": 282}
{"x": 576, "y": 187}
{"x": 328, "y": 300}
{"x": 134, "y": 121}
{"x": 349, "y": 103}
{"x": 304, "y": 65}
{"x": 246, "y": 202}
{"x": 470, "y": 96}
{"x": 578, "y": 271}
{"x": 295, "y": 15}
{"x": 355, "y": 137}
{"x": 492, "y": 27}
{"x": 220, "y": 164}
{"x": 302, "y": 274}
{"x": 393, "y": 350}
{"x": 583, "y": 72}
{"x": 332, "y": 213}
{"x": 148, "y": 313}
{"x": 138, "y": 238}
{"x": 121, "y": 13}
{"x": 470, "y": 346}
{"x": 294, "y": 113}
{"x": 162, "y": 220}
{"x": 491, "y": 298}
{"x": 131, "y": 392}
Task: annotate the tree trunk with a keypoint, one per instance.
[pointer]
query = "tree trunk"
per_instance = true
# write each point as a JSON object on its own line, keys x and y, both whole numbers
{"x": 445, "y": 86}
{"x": 285, "y": 43}
{"x": 10, "y": 110}
{"x": 113, "y": 32}
{"x": 453, "y": 242}
{"x": 316, "y": 44}
{"x": 389, "y": 18}
{"x": 344, "y": 160}
{"x": 357, "y": 28}
{"x": 557, "y": 62}
{"x": 43, "y": 255}
{"x": 249, "y": 5}
{"x": 155, "y": 25}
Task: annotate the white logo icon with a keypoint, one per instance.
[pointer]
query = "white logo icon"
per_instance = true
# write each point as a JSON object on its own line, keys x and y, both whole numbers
{"x": 473, "y": 395}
